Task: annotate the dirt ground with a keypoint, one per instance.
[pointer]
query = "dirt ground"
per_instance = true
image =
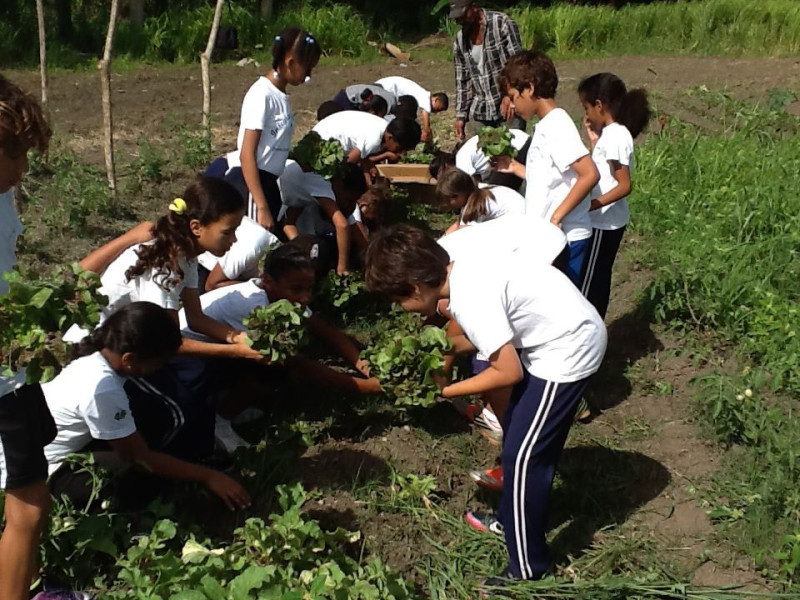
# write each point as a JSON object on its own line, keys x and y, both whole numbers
{"x": 147, "y": 98}
{"x": 645, "y": 430}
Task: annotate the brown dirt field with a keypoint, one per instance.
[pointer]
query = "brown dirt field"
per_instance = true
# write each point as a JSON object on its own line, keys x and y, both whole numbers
{"x": 645, "y": 428}
{"x": 146, "y": 98}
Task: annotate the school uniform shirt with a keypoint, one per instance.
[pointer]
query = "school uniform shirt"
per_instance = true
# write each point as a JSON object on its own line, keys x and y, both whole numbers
{"x": 267, "y": 109}
{"x": 400, "y": 86}
{"x": 241, "y": 260}
{"x": 555, "y": 145}
{"x": 535, "y": 308}
{"x": 505, "y": 201}
{"x": 473, "y": 161}
{"x": 146, "y": 287}
{"x": 87, "y": 401}
{"x": 230, "y": 304}
{"x": 537, "y": 240}
{"x": 10, "y": 230}
{"x": 354, "y": 130}
{"x": 300, "y": 189}
{"x": 354, "y": 92}
{"x": 615, "y": 143}
{"x": 356, "y": 217}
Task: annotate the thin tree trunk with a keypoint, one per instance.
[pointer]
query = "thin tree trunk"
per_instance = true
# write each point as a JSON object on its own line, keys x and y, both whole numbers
{"x": 105, "y": 87}
{"x": 137, "y": 13}
{"x": 42, "y": 51}
{"x": 267, "y": 7}
{"x": 205, "y": 61}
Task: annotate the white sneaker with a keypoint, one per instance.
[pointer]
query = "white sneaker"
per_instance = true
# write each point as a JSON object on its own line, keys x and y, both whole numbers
{"x": 248, "y": 415}
{"x": 227, "y": 437}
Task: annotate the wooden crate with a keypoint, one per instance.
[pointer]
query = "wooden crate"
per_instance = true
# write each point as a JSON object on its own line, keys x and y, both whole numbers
{"x": 406, "y": 173}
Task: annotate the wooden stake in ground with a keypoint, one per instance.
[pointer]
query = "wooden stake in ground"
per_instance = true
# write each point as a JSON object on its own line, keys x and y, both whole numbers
{"x": 104, "y": 67}
{"x": 205, "y": 61}
{"x": 42, "y": 51}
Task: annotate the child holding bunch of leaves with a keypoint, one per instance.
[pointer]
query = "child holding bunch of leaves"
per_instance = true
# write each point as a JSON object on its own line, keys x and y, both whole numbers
{"x": 614, "y": 117}
{"x": 93, "y": 413}
{"x": 559, "y": 171}
{"x": 26, "y": 425}
{"x": 541, "y": 340}
{"x": 267, "y": 125}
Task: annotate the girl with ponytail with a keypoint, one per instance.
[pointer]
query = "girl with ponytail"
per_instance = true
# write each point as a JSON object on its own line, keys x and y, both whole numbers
{"x": 475, "y": 202}
{"x": 267, "y": 125}
{"x": 158, "y": 263}
{"x": 614, "y": 117}
{"x": 93, "y": 413}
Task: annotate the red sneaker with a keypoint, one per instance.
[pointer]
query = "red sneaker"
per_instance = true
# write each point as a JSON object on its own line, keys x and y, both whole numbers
{"x": 491, "y": 479}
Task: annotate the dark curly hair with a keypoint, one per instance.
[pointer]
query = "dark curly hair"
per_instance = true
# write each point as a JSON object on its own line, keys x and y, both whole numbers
{"x": 207, "y": 201}
{"x": 530, "y": 68}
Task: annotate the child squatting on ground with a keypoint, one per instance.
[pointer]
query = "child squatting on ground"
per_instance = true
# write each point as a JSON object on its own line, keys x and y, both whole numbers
{"x": 540, "y": 339}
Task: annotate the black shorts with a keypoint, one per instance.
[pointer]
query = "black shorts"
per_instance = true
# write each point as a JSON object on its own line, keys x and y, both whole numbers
{"x": 26, "y": 427}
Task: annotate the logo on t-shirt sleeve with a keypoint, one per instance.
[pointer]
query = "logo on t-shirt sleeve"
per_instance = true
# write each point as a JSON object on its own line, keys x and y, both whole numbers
{"x": 121, "y": 414}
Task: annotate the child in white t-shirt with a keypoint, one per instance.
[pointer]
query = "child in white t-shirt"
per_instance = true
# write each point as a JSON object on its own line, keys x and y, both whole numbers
{"x": 559, "y": 172}
{"x": 365, "y": 136}
{"x": 370, "y": 213}
{"x": 614, "y": 117}
{"x": 241, "y": 261}
{"x": 306, "y": 190}
{"x": 93, "y": 413}
{"x": 289, "y": 273}
{"x": 471, "y": 159}
{"x": 25, "y": 423}
{"x": 542, "y": 341}
{"x": 267, "y": 125}
{"x": 428, "y": 103}
{"x": 476, "y": 203}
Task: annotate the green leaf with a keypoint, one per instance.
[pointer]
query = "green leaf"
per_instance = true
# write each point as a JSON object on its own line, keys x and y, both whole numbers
{"x": 251, "y": 579}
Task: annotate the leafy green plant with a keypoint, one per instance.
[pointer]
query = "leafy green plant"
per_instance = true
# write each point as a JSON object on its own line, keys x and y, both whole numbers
{"x": 422, "y": 154}
{"x": 289, "y": 557}
{"x": 277, "y": 330}
{"x": 196, "y": 145}
{"x": 33, "y": 317}
{"x": 325, "y": 157}
{"x": 496, "y": 141}
{"x": 406, "y": 363}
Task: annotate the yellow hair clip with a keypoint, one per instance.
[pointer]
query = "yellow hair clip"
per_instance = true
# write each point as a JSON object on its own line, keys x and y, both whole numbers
{"x": 178, "y": 206}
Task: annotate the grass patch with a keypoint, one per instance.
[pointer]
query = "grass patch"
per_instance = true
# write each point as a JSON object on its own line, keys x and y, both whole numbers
{"x": 721, "y": 210}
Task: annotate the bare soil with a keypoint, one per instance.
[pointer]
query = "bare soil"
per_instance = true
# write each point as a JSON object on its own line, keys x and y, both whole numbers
{"x": 642, "y": 454}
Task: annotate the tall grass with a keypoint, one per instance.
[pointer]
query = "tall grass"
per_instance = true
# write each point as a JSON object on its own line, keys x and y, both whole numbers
{"x": 765, "y": 27}
{"x": 721, "y": 217}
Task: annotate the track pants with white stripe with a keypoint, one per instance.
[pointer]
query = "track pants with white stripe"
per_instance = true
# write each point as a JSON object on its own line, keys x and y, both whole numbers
{"x": 535, "y": 429}
{"x": 596, "y": 285}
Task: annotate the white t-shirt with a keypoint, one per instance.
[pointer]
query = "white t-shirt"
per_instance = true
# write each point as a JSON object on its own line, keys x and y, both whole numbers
{"x": 537, "y": 240}
{"x": 302, "y": 188}
{"x": 354, "y": 130}
{"x": 536, "y": 308}
{"x": 87, "y": 401}
{"x": 400, "y": 86}
{"x": 473, "y": 161}
{"x": 267, "y": 109}
{"x": 10, "y": 229}
{"x": 230, "y": 304}
{"x": 505, "y": 202}
{"x": 353, "y": 93}
{"x": 146, "y": 287}
{"x": 615, "y": 143}
{"x": 241, "y": 260}
{"x": 556, "y": 144}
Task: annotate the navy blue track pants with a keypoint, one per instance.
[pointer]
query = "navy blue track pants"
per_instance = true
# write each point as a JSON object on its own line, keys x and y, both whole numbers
{"x": 535, "y": 429}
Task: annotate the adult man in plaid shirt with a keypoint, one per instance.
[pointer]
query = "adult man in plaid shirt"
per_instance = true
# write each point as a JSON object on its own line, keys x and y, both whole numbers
{"x": 486, "y": 41}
